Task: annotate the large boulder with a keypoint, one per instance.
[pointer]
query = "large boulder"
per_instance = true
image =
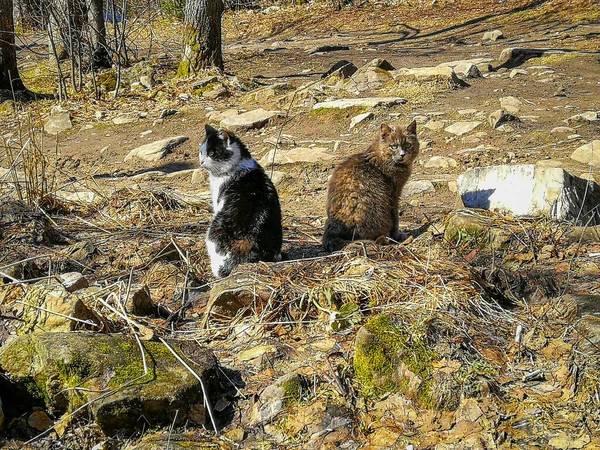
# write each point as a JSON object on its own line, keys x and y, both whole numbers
{"x": 156, "y": 150}
{"x": 109, "y": 370}
{"x": 530, "y": 190}
{"x": 372, "y": 76}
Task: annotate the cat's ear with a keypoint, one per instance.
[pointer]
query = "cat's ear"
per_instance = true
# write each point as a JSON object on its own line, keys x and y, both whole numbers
{"x": 209, "y": 130}
{"x": 412, "y": 128}
{"x": 224, "y": 135}
{"x": 385, "y": 131}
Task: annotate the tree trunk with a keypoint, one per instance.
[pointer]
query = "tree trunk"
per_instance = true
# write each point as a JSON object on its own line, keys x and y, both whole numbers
{"x": 100, "y": 58}
{"x": 67, "y": 18}
{"x": 202, "y": 37}
{"x": 9, "y": 73}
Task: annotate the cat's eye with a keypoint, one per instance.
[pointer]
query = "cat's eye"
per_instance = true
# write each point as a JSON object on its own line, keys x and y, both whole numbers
{"x": 406, "y": 145}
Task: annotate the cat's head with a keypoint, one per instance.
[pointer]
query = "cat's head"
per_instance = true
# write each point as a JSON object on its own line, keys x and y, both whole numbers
{"x": 221, "y": 151}
{"x": 399, "y": 144}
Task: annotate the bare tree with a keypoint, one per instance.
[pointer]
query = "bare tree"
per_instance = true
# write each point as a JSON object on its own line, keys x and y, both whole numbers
{"x": 9, "y": 74}
{"x": 100, "y": 57}
{"x": 202, "y": 37}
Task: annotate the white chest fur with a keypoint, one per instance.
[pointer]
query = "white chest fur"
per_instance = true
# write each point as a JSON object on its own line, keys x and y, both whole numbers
{"x": 216, "y": 182}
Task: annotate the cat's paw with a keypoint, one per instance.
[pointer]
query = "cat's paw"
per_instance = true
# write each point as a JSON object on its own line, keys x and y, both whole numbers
{"x": 400, "y": 236}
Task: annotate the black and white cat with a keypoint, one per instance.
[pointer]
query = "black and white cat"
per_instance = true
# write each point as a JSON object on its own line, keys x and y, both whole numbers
{"x": 246, "y": 226}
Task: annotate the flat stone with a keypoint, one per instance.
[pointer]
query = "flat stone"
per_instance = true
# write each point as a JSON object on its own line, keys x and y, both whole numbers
{"x": 296, "y": 155}
{"x": 360, "y": 118}
{"x": 492, "y": 35}
{"x": 530, "y": 190}
{"x": 513, "y": 73}
{"x": 126, "y": 118}
{"x": 460, "y": 128}
{"x": 443, "y": 73}
{"x": 39, "y": 420}
{"x": 156, "y": 150}
{"x": 218, "y": 116}
{"x": 73, "y": 281}
{"x": 511, "y": 104}
{"x": 562, "y": 130}
{"x": 440, "y": 162}
{"x": 368, "y": 102}
{"x": 219, "y": 91}
{"x": 501, "y": 117}
{"x": 255, "y": 119}
{"x": 434, "y": 125}
{"x": 81, "y": 197}
{"x": 59, "y": 121}
{"x": 416, "y": 187}
{"x": 588, "y": 154}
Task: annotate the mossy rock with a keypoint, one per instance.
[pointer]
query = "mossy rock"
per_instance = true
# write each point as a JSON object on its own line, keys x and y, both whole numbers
{"x": 65, "y": 371}
{"x": 286, "y": 390}
{"x": 466, "y": 227}
{"x": 388, "y": 359}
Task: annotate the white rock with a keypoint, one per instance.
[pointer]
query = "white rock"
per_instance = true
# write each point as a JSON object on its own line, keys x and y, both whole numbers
{"x": 434, "y": 125}
{"x": 511, "y": 104}
{"x": 255, "y": 119}
{"x": 492, "y": 35}
{"x": 156, "y": 150}
{"x": 59, "y": 121}
{"x": 562, "y": 130}
{"x": 417, "y": 187}
{"x": 460, "y": 128}
{"x": 515, "y": 72}
{"x": 368, "y": 102}
{"x": 361, "y": 117}
{"x": 588, "y": 154}
{"x": 81, "y": 197}
{"x": 218, "y": 116}
{"x": 440, "y": 162}
{"x": 428, "y": 73}
{"x": 584, "y": 117}
{"x": 278, "y": 177}
{"x": 530, "y": 190}
{"x": 126, "y": 118}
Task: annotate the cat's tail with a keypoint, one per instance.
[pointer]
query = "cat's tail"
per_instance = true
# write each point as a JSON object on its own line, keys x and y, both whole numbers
{"x": 337, "y": 235}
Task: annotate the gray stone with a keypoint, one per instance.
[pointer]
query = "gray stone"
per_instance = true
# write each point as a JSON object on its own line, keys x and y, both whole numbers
{"x": 460, "y": 128}
{"x": 588, "y": 154}
{"x": 511, "y": 104}
{"x": 368, "y": 102}
{"x": 274, "y": 398}
{"x": 467, "y": 70}
{"x": 167, "y": 113}
{"x": 417, "y": 187}
{"x": 255, "y": 119}
{"x": 372, "y": 76}
{"x": 49, "y": 365}
{"x": 296, "y": 155}
{"x": 501, "y": 117}
{"x": 59, "y": 121}
{"x": 492, "y": 35}
{"x": 73, "y": 281}
{"x": 219, "y": 91}
{"x": 156, "y": 150}
{"x": 441, "y": 162}
{"x": 584, "y": 118}
{"x": 360, "y": 118}
{"x": 514, "y": 57}
{"x": 530, "y": 190}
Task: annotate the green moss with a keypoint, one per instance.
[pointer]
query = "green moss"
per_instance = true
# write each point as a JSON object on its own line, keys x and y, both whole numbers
{"x": 376, "y": 361}
{"x": 555, "y": 58}
{"x": 209, "y": 87}
{"x": 108, "y": 80}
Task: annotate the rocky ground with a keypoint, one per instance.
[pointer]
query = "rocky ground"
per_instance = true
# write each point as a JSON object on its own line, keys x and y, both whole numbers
{"x": 480, "y": 331}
